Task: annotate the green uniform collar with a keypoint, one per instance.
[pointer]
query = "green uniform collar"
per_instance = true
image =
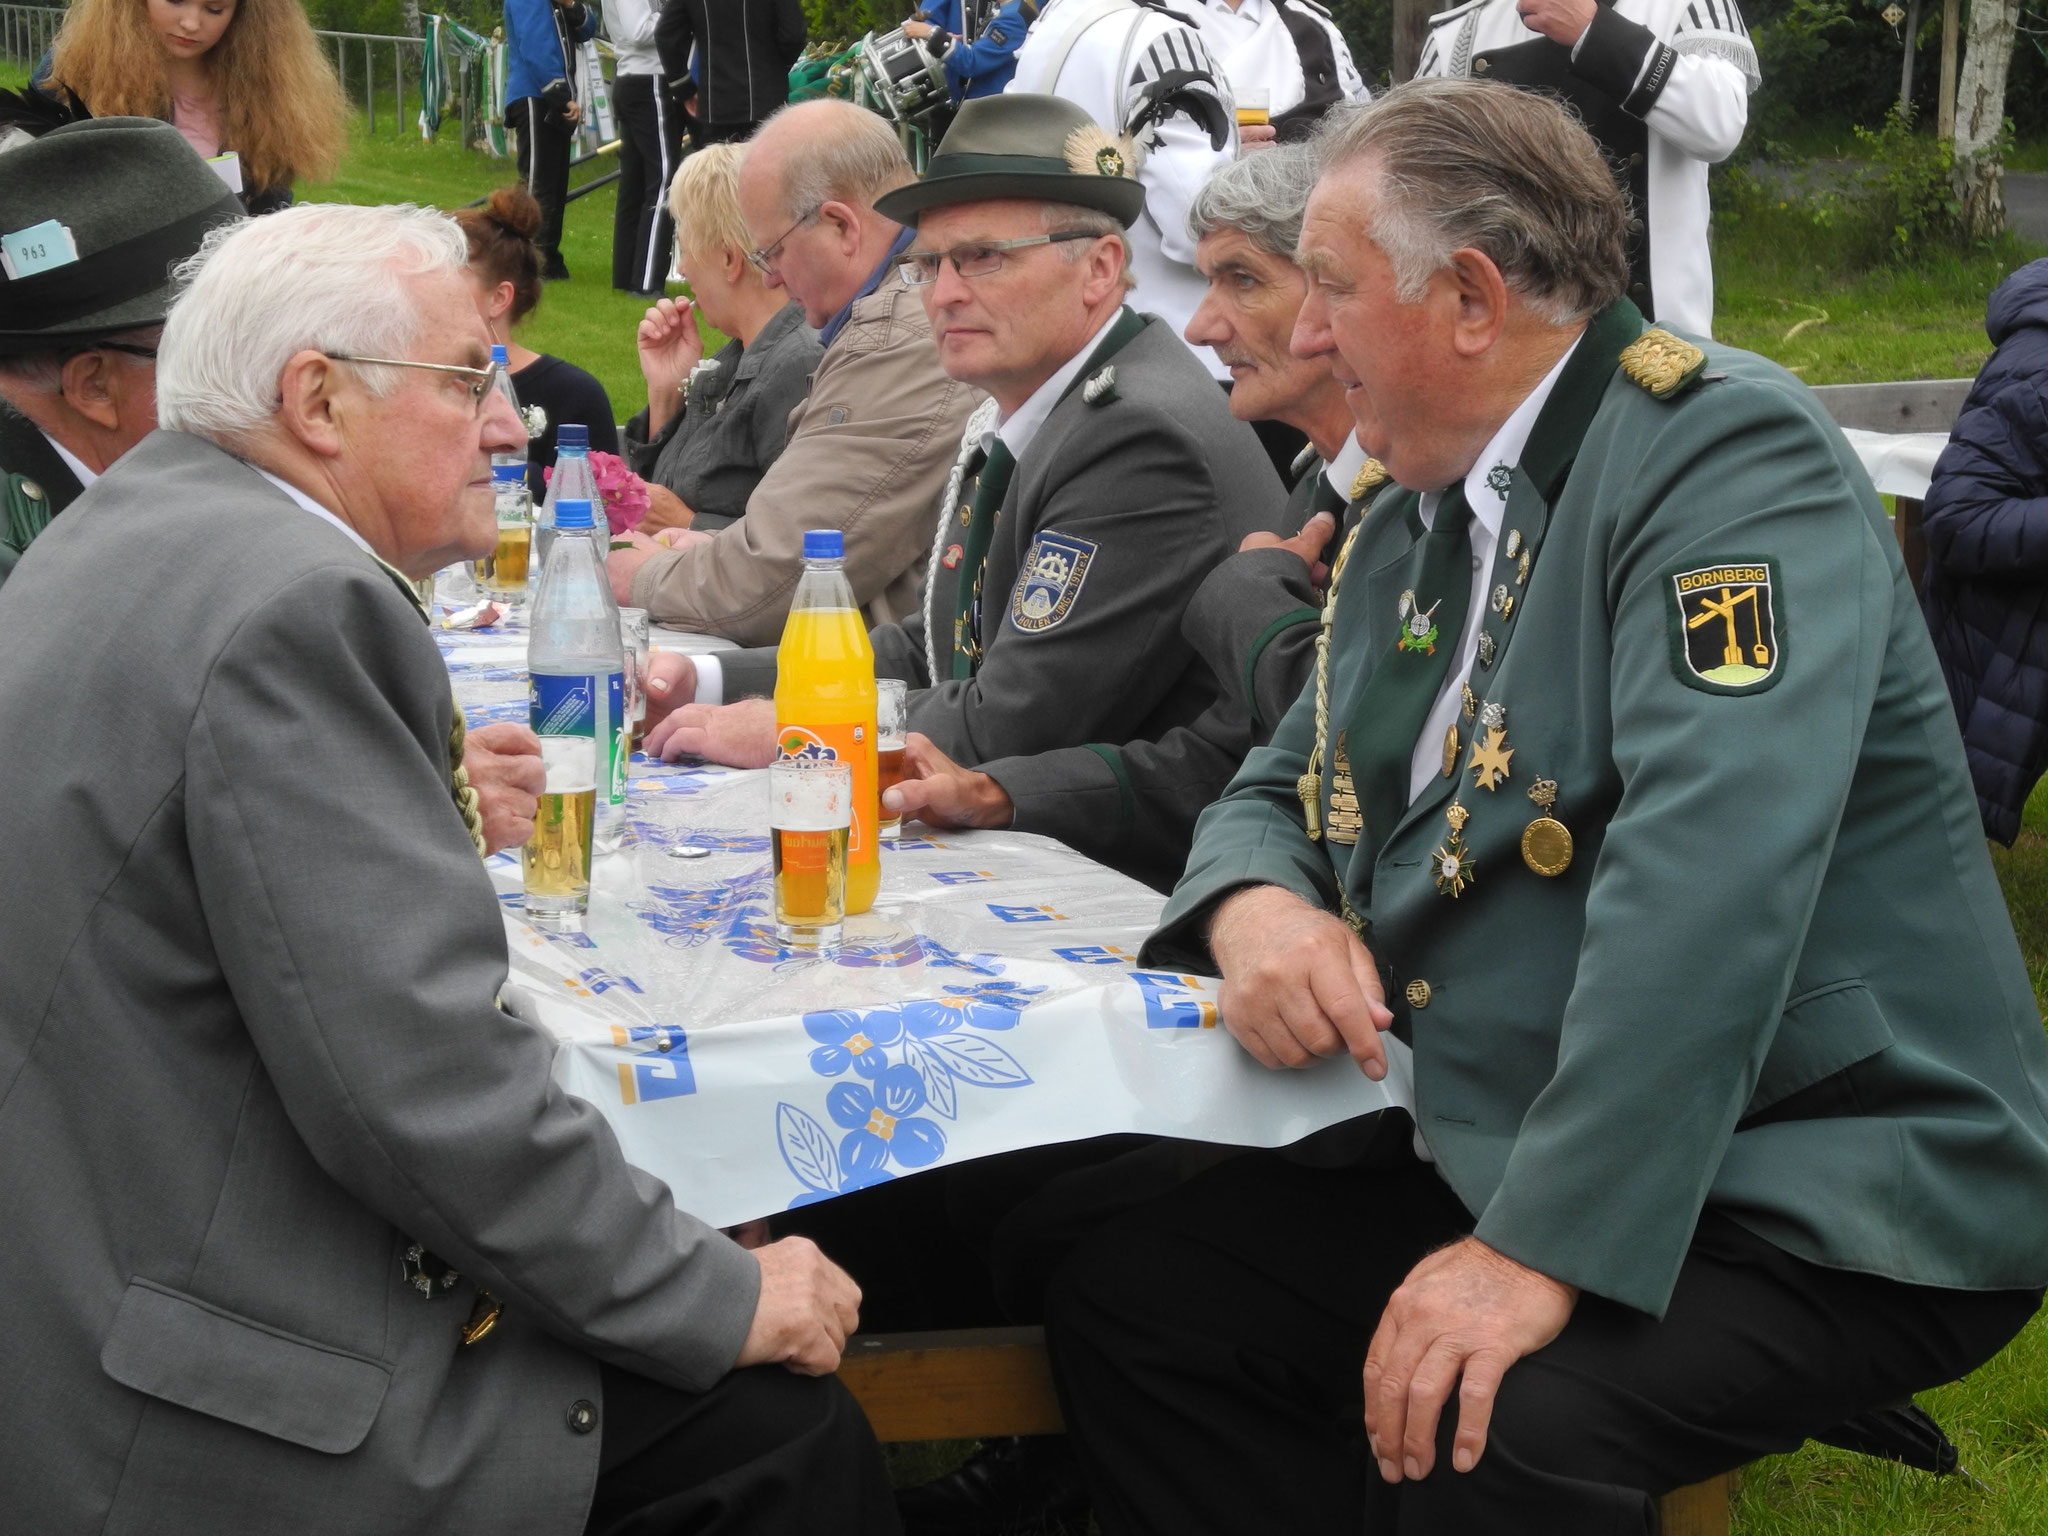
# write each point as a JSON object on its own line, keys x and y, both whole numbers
{"x": 1568, "y": 413}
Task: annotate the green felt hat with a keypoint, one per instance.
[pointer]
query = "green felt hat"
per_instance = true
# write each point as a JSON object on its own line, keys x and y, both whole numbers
{"x": 129, "y": 199}
{"x": 1024, "y": 145}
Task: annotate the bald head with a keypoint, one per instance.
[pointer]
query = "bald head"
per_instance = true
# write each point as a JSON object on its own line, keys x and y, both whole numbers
{"x": 807, "y": 191}
{"x": 820, "y": 151}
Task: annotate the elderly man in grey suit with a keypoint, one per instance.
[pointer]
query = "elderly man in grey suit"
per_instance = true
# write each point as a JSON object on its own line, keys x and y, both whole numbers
{"x": 301, "y": 1235}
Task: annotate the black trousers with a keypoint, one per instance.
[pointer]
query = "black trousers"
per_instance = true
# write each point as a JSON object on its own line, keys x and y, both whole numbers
{"x": 543, "y": 137}
{"x": 702, "y": 133}
{"x": 1208, "y": 1352}
{"x": 650, "y": 149}
{"x": 764, "y": 1451}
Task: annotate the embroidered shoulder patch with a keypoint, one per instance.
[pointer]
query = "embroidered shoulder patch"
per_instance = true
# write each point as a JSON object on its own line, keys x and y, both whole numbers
{"x": 1660, "y": 363}
{"x": 1726, "y": 635}
{"x": 1054, "y": 568}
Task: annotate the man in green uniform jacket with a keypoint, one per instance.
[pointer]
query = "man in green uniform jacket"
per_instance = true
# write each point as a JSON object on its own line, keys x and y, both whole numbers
{"x": 93, "y": 216}
{"x": 1630, "y": 803}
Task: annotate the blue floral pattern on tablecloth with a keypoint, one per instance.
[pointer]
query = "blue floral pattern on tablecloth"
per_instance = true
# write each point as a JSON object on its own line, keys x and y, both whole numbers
{"x": 911, "y": 1056}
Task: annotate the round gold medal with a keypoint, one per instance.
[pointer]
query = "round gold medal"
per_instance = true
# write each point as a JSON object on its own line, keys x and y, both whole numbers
{"x": 1547, "y": 846}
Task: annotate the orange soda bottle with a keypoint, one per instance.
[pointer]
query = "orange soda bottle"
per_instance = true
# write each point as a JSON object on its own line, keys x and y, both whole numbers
{"x": 825, "y": 697}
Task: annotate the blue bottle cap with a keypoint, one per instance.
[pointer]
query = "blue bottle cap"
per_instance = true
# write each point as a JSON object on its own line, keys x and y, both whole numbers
{"x": 824, "y": 544}
{"x": 572, "y": 514}
{"x": 571, "y": 435}
{"x": 499, "y": 354}
{"x": 503, "y": 473}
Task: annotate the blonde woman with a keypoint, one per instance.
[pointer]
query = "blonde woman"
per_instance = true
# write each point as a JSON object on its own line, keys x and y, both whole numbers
{"x": 240, "y": 76}
{"x": 710, "y": 450}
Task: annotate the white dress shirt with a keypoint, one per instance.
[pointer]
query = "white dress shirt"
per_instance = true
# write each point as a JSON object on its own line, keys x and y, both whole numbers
{"x": 71, "y": 460}
{"x": 316, "y": 509}
{"x": 1487, "y": 504}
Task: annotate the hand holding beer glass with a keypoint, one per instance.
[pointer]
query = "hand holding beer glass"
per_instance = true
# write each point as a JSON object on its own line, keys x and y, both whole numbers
{"x": 1255, "y": 118}
{"x": 810, "y": 811}
{"x": 892, "y": 722}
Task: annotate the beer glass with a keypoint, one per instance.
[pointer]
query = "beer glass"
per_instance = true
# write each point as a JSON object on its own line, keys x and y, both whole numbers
{"x": 892, "y": 719}
{"x": 634, "y": 637}
{"x": 1254, "y": 106}
{"x": 556, "y": 862}
{"x": 810, "y": 811}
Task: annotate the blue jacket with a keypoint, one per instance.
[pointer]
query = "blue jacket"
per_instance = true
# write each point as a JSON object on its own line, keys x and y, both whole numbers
{"x": 983, "y": 66}
{"x": 538, "y": 42}
{"x": 1985, "y": 589}
{"x": 942, "y": 13}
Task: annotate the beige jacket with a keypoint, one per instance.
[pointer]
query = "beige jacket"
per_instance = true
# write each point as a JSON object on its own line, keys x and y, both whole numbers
{"x": 869, "y": 451}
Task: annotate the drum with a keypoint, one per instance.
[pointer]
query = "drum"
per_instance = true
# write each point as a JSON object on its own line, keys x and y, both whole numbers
{"x": 899, "y": 79}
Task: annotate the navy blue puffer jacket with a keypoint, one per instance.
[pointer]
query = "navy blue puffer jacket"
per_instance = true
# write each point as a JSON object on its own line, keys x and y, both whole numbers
{"x": 1985, "y": 589}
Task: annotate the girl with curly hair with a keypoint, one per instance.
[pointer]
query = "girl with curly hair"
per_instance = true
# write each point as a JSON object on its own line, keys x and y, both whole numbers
{"x": 246, "y": 76}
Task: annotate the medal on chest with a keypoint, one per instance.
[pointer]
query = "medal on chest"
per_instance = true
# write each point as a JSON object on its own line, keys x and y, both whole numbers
{"x": 1546, "y": 841}
{"x": 1418, "y": 626}
{"x": 1346, "y": 820}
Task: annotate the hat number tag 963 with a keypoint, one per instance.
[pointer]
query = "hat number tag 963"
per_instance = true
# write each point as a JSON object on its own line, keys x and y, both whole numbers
{"x": 39, "y": 248}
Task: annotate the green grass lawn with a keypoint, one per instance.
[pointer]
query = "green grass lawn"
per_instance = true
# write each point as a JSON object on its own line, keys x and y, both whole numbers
{"x": 1782, "y": 292}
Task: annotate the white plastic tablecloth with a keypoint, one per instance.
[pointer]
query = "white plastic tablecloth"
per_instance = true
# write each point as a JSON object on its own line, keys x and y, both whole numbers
{"x": 991, "y": 1000}
{"x": 1898, "y": 463}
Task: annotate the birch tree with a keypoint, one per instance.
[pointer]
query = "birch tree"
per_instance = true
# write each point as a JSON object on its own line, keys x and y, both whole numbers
{"x": 1979, "y": 176}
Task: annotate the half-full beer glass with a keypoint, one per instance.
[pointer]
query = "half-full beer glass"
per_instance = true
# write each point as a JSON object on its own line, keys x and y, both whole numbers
{"x": 810, "y": 809}
{"x": 892, "y": 721}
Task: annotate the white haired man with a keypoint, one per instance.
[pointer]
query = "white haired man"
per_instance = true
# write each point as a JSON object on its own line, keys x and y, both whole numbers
{"x": 1631, "y": 721}
{"x": 870, "y": 445}
{"x": 257, "y": 1072}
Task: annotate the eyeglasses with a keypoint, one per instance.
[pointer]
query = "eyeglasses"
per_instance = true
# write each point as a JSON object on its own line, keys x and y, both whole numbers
{"x": 764, "y": 259}
{"x": 481, "y": 380}
{"x": 920, "y": 267}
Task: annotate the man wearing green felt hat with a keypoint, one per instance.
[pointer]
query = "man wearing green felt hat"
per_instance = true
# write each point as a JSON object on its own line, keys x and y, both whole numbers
{"x": 93, "y": 217}
{"x": 1102, "y": 482}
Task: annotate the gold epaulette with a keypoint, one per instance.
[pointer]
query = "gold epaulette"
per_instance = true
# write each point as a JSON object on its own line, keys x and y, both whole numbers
{"x": 1662, "y": 364}
{"x": 1371, "y": 473}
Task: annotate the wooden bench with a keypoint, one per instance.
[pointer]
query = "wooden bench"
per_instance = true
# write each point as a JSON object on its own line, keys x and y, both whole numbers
{"x": 1914, "y": 405}
{"x": 977, "y": 1383}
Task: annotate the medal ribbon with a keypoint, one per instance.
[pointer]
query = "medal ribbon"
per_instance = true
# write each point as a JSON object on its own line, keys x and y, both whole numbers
{"x": 989, "y": 489}
{"x": 1397, "y": 699}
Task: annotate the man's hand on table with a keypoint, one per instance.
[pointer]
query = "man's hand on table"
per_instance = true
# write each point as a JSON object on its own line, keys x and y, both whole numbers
{"x": 937, "y": 790}
{"x": 1466, "y": 1311}
{"x": 505, "y": 771}
{"x": 808, "y": 1305}
{"x": 622, "y": 565}
{"x": 738, "y": 735}
{"x": 1297, "y": 984}
{"x": 671, "y": 683}
{"x": 665, "y": 510}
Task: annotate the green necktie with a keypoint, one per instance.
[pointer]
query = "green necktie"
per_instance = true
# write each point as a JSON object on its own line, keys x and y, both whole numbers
{"x": 1396, "y": 701}
{"x": 989, "y": 489}
{"x": 1327, "y": 496}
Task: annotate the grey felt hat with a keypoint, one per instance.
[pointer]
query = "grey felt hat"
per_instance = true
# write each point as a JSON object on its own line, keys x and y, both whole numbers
{"x": 1023, "y": 145}
{"x": 131, "y": 198}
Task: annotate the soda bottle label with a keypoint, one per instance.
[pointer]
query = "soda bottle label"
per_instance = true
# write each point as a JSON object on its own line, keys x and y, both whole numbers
{"x": 848, "y": 743}
{"x": 568, "y": 705}
{"x": 620, "y": 744}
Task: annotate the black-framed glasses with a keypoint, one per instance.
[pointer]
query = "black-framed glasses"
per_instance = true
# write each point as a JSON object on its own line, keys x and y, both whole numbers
{"x": 481, "y": 380}
{"x": 764, "y": 259}
{"x": 978, "y": 260}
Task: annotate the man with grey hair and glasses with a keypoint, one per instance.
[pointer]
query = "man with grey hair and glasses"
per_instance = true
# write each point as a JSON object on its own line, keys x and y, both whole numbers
{"x": 302, "y": 1234}
{"x": 1103, "y": 483}
{"x": 1625, "y": 739}
{"x": 870, "y": 445}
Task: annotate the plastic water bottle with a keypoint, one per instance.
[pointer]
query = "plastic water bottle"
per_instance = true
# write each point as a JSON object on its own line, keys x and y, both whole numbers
{"x": 825, "y": 696}
{"x": 504, "y": 387}
{"x": 577, "y": 708}
{"x": 571, "y": 481}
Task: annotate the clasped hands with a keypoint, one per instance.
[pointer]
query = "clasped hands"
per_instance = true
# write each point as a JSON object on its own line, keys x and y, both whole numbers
{"x": 1298, "y": 987}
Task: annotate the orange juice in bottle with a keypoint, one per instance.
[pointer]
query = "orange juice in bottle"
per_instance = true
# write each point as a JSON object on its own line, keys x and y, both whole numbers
{"x": 825, "y": 697}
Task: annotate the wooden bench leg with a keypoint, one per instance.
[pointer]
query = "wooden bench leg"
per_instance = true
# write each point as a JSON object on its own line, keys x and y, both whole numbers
{"x": 1700, "y": 1510}
{"x": 972, "y": 1384}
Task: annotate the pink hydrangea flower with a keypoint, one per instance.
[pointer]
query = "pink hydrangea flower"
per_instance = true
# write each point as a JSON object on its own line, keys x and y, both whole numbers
{"x": 623, "y": 492}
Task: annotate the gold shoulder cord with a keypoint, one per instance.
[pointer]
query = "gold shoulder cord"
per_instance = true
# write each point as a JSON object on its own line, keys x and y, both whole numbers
{"x": 1310, "y": 785}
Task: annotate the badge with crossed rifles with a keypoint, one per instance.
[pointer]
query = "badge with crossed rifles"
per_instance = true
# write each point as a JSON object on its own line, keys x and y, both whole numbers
{"x": 1418, "y": 630}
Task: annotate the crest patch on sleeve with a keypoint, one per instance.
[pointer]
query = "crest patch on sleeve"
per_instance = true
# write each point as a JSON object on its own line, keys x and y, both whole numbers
{"x": 1054, "y": 568}
{"x": 1726, "y": 634}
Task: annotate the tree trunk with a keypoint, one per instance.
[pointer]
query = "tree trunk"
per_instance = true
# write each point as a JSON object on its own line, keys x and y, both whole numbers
{"x": 1979, "y": 177}
{"x": 410, "y": 9}
{"x": 1411, "y": 31}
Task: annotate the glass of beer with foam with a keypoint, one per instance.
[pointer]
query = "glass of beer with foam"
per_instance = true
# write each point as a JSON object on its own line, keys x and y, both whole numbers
{"x": 810, "y": 810}
{"x": 1254, "y": 106}
{"x": 892, "y": 721}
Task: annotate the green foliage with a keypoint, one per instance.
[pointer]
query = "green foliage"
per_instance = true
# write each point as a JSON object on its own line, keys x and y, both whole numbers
{"x": 847, "y": 21}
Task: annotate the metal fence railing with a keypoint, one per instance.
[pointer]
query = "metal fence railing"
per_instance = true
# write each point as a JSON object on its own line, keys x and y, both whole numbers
{"x": 26, "y": 31}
